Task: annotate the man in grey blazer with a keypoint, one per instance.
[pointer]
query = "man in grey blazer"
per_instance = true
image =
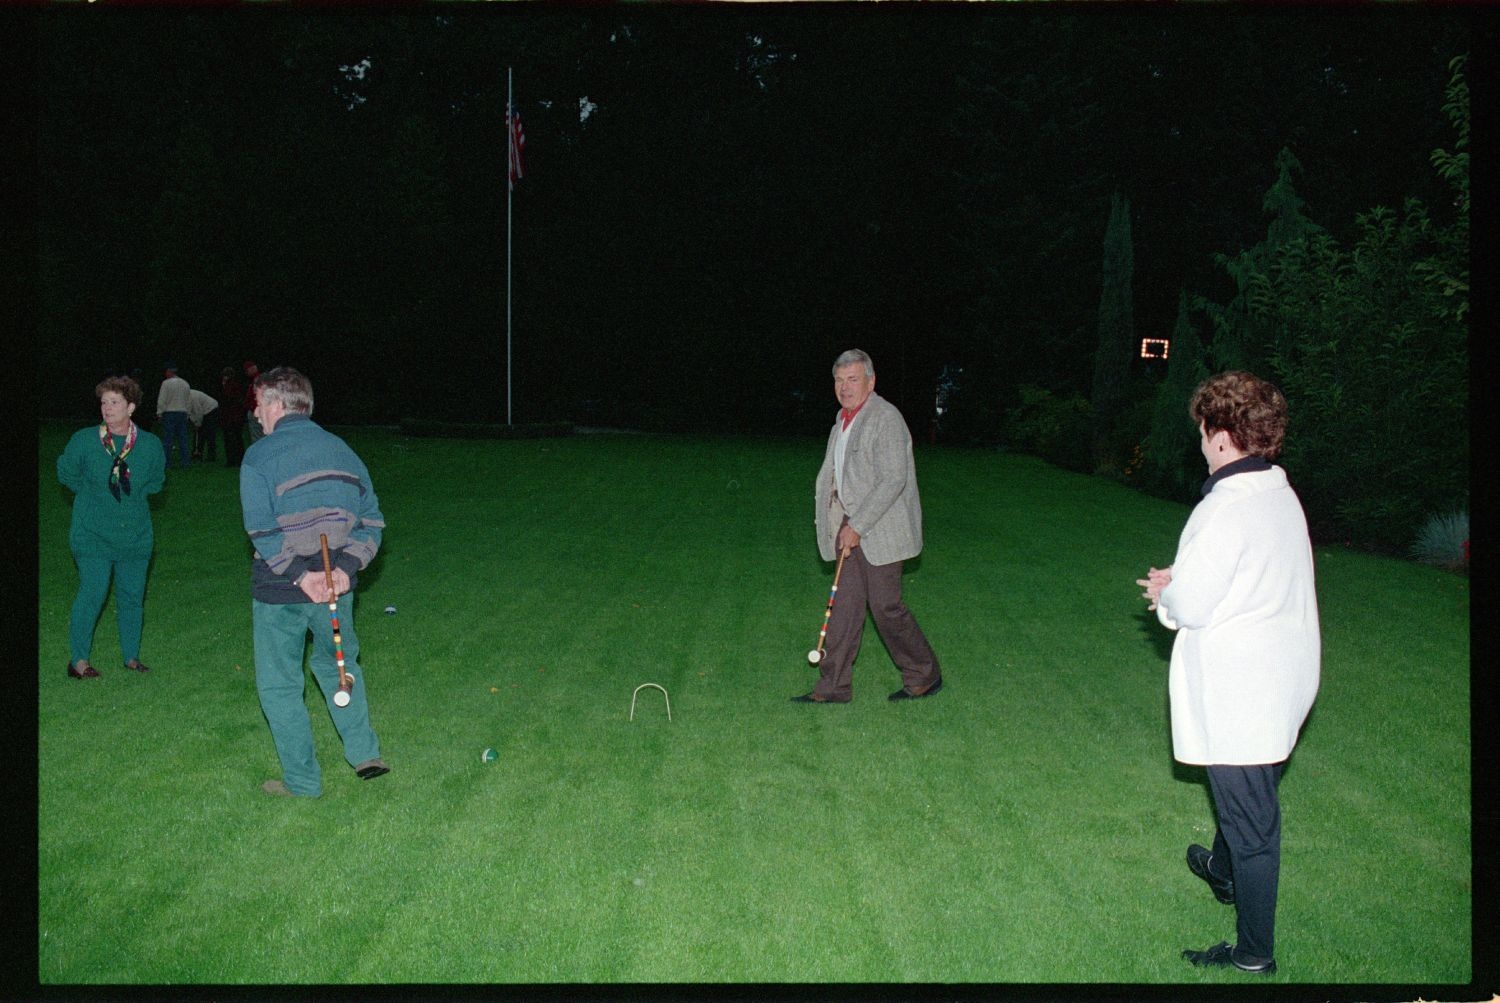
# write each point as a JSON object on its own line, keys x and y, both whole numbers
{"x": 868, "y": 510}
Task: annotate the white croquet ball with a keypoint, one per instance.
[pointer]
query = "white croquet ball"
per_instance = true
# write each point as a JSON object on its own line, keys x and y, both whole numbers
{"x": 390, "y": 611}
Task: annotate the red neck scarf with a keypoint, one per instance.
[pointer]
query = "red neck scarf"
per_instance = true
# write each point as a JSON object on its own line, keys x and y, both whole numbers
{"x": 849, "y": 415}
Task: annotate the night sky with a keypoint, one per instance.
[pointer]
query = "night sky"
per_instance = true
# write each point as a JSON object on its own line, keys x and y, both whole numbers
{"x": 716, "y": 200}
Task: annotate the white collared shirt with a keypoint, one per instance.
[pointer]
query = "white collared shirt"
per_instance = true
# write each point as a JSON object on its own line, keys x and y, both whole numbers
{"x": 838, "y": 449}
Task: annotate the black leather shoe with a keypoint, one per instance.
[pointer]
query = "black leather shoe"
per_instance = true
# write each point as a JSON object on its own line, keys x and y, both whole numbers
{"x": 87, "y": 672}
{"x": 1198, "y": 858}
{"x": 811, "y": 698}
{"x": 1221, "y": 954}
{"x": 139, "y": 666}
{"x": 904, "y": 694}
{"x": 371, "y": 768}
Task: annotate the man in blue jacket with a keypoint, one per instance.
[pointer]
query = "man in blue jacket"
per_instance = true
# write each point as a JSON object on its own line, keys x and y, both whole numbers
{"x": 298, "y": 483}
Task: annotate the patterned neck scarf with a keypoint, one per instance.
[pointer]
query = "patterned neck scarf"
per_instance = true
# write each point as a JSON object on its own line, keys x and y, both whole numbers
{"x": 119, "y": 470}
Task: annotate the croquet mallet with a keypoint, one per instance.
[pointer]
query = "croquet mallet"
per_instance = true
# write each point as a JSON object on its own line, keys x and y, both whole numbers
{"x": 816, "y": 655}
{"x": 346, "y": 681}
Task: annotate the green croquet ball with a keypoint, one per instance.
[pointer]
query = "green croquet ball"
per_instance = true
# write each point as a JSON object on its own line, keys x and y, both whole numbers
{"x": 488, "y": 756}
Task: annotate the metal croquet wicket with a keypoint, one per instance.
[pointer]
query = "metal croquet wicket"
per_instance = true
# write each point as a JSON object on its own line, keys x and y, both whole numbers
{"x": 664, "y": 696}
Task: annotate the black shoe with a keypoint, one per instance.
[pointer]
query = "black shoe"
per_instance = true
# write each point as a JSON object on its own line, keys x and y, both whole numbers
{"x": 1198, "y": 858}
{"x": 371, "y": 768}
{"x": 904, "y": 694}
{"x": 812, "y": 698}
{"x": 139, "y": 666}
{"x": 87, "y": 672}
{"x": 1222, "y": 954}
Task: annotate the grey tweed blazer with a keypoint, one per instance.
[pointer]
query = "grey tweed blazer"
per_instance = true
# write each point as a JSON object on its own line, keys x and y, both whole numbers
{"x": 880, "y": 487}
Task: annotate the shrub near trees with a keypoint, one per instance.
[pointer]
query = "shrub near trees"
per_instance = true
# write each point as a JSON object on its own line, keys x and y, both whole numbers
{"x": 1369, "y": 344}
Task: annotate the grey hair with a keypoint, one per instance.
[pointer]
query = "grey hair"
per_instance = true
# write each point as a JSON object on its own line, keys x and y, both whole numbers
{"x": 852, "y": 356}
{"x": 288, "y": 386}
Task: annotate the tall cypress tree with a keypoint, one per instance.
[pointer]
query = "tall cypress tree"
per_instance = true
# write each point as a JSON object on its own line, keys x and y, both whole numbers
{"x": 1240, "y": 341}
{"x": 1171, "y": 447}
{"x": 1117, "y": 344}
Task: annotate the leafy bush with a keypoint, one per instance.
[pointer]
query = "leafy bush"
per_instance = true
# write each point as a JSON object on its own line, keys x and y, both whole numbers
{"x": 1118, "y": 451}
{"x": 1370, "y": 346}
{"x": 1055, "y": 428}
{"x": 1375, "y": 367}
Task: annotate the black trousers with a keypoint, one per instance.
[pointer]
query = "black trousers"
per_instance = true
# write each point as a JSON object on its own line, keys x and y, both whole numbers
{"x": 205, "y": 441}
{"x": 1247, "y": 849}
{"x": 234, "y": 444}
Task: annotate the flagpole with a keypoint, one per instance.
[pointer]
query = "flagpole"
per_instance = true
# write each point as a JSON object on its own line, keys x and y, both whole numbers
{"x": 510, "y": 184}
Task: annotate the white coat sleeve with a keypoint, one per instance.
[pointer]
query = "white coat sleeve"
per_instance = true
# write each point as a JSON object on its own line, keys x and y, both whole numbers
{"x": 1201, "y": 577}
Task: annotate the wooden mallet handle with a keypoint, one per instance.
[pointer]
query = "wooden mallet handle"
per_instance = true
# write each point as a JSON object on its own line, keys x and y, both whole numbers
{"x": 346, "y": 681}
{"x": 816, "y": 655}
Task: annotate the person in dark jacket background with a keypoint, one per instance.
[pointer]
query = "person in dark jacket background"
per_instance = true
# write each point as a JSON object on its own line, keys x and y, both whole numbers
{"x": 232, "y": 416}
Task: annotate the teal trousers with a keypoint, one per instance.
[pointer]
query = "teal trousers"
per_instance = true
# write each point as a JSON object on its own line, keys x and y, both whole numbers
{"x": 94, "y": 572}
{"x": 280, "y": 632}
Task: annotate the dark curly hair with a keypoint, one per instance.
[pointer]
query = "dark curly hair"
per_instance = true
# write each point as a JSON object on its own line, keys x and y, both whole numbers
{"x": 1249, "y": 408}
{"x": 122, "y": 385}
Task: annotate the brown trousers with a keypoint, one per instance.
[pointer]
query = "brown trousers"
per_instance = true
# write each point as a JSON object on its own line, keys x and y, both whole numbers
{"x": 862, "y": 586}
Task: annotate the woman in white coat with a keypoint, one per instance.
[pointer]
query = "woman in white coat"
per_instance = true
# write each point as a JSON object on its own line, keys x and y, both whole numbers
{"x": 1245, "y": 664}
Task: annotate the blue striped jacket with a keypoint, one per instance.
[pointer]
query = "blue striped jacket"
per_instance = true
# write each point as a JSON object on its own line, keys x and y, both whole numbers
{"x": 296, "y": 484}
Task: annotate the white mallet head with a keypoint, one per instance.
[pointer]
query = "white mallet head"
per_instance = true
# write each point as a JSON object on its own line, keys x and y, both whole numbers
{"x": 341, "y": 699}
{"x": 815, "y": 656}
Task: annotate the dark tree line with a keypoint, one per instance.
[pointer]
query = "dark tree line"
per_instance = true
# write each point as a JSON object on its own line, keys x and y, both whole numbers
{"x": 750, "y": 191}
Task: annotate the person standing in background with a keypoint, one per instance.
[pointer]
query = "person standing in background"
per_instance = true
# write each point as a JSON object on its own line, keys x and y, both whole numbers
{"x": 203, "y": 412}
{"x": 252, "y": 398}
{"x": 232, "y": 416}
{"x": 172, "y": 408}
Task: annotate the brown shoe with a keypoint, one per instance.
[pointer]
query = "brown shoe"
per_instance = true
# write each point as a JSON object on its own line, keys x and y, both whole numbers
{"x": 87, "y": 672}
{"x": 139, "y": 666}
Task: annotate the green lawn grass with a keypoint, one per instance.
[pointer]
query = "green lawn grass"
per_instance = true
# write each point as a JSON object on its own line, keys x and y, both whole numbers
{"x": 1027, "y": 825}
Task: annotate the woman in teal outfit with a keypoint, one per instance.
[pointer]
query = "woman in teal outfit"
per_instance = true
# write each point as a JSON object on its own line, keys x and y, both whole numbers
{"x": 111, "y": 468}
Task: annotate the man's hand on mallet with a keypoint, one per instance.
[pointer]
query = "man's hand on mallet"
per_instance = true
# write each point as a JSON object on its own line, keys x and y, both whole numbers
{"x": 848, "y": 539}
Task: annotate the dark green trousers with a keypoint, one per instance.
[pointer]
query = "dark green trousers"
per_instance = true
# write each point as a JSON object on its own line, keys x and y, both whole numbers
{"x": 280, "y": 632}
{"x": 94, "y": 572}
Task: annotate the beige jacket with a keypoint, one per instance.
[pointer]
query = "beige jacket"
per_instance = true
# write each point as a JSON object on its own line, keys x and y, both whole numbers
{"x": 880, "y": 487}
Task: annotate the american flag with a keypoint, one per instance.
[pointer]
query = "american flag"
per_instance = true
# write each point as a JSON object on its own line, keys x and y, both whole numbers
{"x": 516, "y": 142}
